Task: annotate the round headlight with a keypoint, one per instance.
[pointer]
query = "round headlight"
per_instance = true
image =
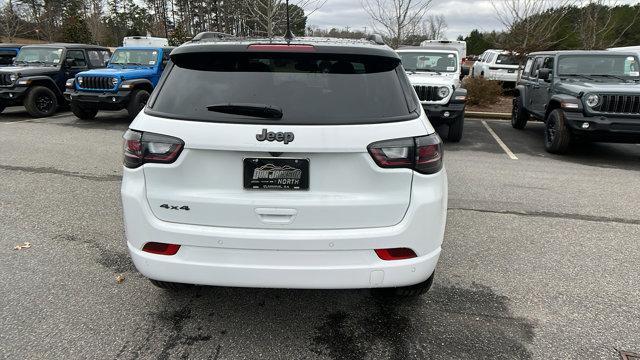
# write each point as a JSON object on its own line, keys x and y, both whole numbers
{"x": 114, "y": 81}
{"x": 80, "y": 80}
{"x": 443, "y": 92}
{"x": 13, "y": 77}
{"x": 593, "y": 100}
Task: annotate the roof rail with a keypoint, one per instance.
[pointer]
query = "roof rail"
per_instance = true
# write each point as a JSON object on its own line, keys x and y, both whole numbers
{"x": 376, "y": 38}
{"x": 211, "y": 35}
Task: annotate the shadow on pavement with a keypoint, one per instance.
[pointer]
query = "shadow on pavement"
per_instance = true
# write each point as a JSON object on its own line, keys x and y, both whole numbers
{"x": 449, "y": 322}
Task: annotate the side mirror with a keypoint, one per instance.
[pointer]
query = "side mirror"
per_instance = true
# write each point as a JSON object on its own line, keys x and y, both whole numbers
{"x": 544, "y": 74}
{"x": 70, "y": 62}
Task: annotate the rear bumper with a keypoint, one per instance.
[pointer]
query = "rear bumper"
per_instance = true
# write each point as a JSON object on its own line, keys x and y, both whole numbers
{"x": 504, "y": 77}
{"x": 436, "y": 113}
{"x": 349, "y": 269}
{"x": 103, "y": 100}
{"x": 281, "y": 258}
{"x": 605, "y": 128}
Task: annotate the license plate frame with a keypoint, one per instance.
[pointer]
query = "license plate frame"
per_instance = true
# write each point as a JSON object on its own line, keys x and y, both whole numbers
{"x": 272, "y": 173}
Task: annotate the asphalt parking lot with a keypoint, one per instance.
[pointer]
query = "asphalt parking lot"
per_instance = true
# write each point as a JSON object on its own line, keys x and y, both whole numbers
{"x": 540, "y": 261}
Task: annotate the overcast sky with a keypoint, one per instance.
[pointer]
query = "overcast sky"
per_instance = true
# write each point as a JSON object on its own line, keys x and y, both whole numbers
{"x": 462, "y": 16}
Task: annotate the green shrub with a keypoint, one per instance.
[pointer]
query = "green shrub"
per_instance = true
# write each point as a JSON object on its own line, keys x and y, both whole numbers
{"x": 482, "y": 92}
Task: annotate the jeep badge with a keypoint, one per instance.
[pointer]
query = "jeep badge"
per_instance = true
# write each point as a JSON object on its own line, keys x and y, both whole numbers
{"x": 285, "y": 137}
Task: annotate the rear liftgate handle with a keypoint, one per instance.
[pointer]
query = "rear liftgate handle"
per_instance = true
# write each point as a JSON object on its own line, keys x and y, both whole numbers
{"x": 276, "y": 216}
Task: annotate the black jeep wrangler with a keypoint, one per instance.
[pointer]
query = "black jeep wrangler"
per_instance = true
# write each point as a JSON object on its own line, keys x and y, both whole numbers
{"x": 580, "y": 96}
{"x": 39, "y": 73}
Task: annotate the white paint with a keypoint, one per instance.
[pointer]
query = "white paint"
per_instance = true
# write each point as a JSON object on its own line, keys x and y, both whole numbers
{"x": 499, "y": 141}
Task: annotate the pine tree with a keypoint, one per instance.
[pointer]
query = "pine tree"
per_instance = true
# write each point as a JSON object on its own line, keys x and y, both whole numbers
{"x": 74, "y": 24}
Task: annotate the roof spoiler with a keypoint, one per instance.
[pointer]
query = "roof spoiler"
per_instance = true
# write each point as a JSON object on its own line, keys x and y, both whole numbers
{"x": 206, "y": 35}
{"x": 376, "y": 39}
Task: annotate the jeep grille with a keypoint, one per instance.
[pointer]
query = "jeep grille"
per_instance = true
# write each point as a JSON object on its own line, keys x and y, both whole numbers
{"x": 5, "y": 80}
{"x": 427, "y": 93}
{"x": 619, "y": 104}
{"x": 96, "y": 83}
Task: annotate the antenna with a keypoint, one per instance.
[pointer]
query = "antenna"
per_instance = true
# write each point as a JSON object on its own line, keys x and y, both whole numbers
{"x": 289, "y": 35}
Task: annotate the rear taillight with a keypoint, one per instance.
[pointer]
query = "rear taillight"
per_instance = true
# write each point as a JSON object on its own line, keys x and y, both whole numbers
{"x": 395, "y": 254}
{"x": 161, "y": 248}
{"x": 144, "y": 147}
{"x": 422, "y": 154}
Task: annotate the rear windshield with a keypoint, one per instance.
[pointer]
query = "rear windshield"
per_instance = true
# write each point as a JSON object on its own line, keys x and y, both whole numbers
{"x": 506, "y": 59}
{"x": 309, "y": 89}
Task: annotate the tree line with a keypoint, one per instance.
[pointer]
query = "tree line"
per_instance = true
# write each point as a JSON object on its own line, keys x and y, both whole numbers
{"x": 106, "y": 22}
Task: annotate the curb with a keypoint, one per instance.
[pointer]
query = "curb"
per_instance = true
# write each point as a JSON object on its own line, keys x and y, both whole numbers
{"x": 487, "y": 115}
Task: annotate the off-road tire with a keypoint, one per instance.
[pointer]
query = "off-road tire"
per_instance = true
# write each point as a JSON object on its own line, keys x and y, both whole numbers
{"x": 404, "y": 291}
{"x": 171, "y": 286}
{"x": 84, "y": 112}
{"x": 455, "y": 129}
{"x": 519, "y": 115}
{"x": 137, "y": 102}
{"x": 41, "y": 102}
{"x": 557, "y": 135}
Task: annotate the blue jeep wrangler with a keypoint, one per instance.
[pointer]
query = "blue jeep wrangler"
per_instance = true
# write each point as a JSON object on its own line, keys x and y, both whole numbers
{"x": 126, "y": 83}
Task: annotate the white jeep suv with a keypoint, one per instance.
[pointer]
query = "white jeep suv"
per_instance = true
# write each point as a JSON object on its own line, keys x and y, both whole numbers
{"x": 499, "y": 65}
{"x": 301, "y": 164}
{"x": 435, "y": 74}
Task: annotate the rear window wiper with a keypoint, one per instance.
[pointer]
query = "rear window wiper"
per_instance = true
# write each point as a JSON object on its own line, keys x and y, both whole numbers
{"x": 253, "y": 110}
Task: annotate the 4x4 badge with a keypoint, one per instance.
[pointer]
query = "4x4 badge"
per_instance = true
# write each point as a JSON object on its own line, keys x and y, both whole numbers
{"x": 285, "y": 137}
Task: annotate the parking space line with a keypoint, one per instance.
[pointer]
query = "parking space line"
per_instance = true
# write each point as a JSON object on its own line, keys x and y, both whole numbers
{"x": 499, "y": 141}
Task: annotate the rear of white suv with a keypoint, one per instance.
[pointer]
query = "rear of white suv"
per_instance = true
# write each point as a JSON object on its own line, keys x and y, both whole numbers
{"x": 308, "y": 164}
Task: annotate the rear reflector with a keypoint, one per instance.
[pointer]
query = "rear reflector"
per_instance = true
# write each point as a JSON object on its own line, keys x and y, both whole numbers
{"x": 161, "y": 248}
{"x": 395, "y": 254}
{"x": 282, "y": 48}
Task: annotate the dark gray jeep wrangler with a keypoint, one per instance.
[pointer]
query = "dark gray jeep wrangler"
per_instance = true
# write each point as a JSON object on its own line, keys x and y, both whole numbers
{"x": 580, "y": 96}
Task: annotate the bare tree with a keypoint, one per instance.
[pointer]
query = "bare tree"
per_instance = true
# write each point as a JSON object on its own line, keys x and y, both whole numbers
{"x": 435, "y": 27}
{"x": 94, "y": 19}
{"x": 11, "y": 24}
{"x": 530, "y": 25}
{"x": 396, "y": 19}
{"x": 597, "y": 27}
{"x": 270, "y": 14}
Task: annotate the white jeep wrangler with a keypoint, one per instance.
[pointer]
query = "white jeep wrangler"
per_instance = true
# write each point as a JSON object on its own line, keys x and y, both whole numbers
{"x": 435, "y": 74}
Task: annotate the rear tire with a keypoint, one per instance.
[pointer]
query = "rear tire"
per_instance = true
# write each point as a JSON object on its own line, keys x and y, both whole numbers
{"x": 84, "y": 112}
{"x": 455, "y": 129}
{"x": 138, "y": 101}
{"x": 519, "y": 115}
{"x": 171, "y": 286}
{"x": 41, "y": 102}
{"x": 557, "y": 136}
{"x": 404, "y": 291}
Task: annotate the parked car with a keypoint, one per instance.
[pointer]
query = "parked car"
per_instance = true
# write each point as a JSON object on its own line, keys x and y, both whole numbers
{"x": 145, "y": 41}
{"x": 37, "y": 78}
{"x": 285, "y": 164}
{"x": 580, "y": 95}
{"x": 435, "y": 75}
{"x": 126, "y": 82}
{"x": 497, "y": 65}
{"x": 8, "y": 52}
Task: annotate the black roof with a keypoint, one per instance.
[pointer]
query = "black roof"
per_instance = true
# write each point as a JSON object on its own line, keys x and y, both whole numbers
{"x": 321, "y": 45}
{"x": 69, "y": 46}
